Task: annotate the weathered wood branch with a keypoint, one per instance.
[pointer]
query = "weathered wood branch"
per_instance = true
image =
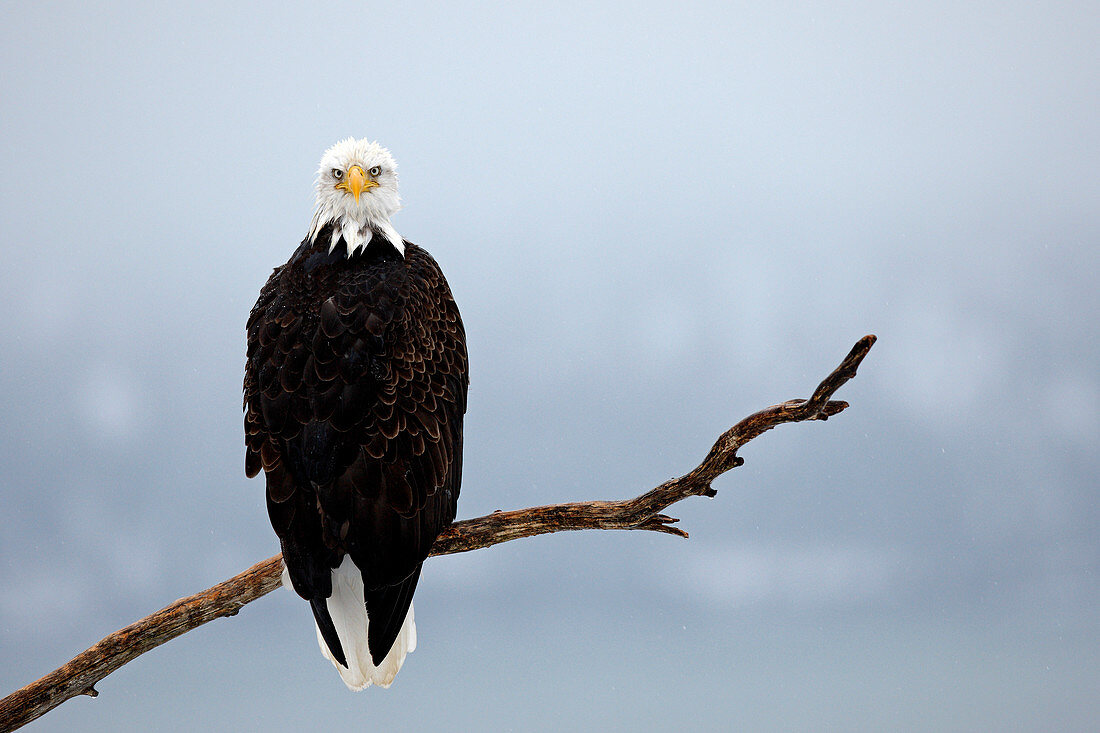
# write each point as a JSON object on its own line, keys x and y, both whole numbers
{"x": 80, "y": 675}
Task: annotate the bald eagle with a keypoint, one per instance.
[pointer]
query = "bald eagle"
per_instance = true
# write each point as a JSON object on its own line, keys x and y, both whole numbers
{"x": 354, "y": 392}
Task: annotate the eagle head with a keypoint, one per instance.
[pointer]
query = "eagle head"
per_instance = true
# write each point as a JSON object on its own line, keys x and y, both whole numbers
{"x": 357, "y": 192}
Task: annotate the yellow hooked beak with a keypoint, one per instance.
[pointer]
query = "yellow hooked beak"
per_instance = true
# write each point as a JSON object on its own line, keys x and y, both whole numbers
{"x": 356, "y": 182}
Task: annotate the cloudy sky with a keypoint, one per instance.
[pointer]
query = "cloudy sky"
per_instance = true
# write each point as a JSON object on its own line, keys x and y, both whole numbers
{"x": 656, "y": 219}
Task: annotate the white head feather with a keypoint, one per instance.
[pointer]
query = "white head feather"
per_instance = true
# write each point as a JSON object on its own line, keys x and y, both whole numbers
{"x": 356, "y": 221}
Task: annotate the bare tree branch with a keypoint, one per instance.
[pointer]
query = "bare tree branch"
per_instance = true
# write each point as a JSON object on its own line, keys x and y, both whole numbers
{"x": 80, "y": 675}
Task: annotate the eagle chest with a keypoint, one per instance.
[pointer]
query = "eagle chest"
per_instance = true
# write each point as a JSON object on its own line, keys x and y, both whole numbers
{"x": 330, "y": 348}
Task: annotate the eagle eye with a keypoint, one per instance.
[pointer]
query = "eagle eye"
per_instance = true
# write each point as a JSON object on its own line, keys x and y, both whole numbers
{"x": 375, "y": 171}
{"x": 337, "y": 173}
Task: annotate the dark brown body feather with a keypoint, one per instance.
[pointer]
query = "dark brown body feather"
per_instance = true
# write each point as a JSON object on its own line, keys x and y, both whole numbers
{"x": 354, "y": 391}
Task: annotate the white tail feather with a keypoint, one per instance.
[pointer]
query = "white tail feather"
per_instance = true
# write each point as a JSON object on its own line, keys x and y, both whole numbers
{"x": 349, "y": 615}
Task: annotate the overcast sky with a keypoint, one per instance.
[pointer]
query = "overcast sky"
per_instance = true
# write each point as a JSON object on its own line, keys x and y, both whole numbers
{"x": 656, "y": 220}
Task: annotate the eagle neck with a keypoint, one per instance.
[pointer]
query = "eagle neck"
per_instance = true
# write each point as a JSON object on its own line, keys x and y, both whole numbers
{"x": 353, "y": 234}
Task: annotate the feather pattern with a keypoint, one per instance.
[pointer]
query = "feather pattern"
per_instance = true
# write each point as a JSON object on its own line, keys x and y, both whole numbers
{"x": 355, "y": 390}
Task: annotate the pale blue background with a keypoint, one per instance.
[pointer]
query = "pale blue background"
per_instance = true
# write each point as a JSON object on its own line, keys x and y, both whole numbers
{"x": 656, "y": 219}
